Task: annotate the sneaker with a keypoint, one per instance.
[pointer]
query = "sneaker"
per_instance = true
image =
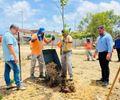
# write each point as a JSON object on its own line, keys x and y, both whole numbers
{"x": 88, "y": 59}
{"x": 99, "y": 81}
{"x": 71, "y": 78}
{"x": 42, "y": 76}
{"x": 21, "y": 88}
{"x": 104, "y": 84}
{"x": 9, "y": 87}
{"x": 97, "y": 59}
{"x": 32, "y": 77}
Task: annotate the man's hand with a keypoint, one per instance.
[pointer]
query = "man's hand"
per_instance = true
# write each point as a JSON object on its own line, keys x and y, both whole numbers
{"x": 16, "y": 60}
{"x": 108, "y": 57}
{"x": 95, "y": 54}
{"x": 53, "y": 38}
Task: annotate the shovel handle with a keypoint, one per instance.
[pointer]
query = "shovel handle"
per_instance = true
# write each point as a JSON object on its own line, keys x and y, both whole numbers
{"x": 113, "y": 84}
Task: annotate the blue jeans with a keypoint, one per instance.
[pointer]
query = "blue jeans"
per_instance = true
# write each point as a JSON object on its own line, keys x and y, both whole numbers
{"x": 15, "y": 67}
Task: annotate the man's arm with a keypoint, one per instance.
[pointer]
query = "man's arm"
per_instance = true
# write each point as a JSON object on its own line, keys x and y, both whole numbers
{"x": 34, "y": 38}
{"x": 11, "y": 49}
{"x": 110, "y": 44}
{"x": 110, "y": 47}
{"x": 95, "y": 54}
{"x": 47, "y": 41}
{"x": 9, "y": 43}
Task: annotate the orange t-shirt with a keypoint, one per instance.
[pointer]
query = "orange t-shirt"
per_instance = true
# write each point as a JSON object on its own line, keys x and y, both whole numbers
{"x": 37, "y": 46}
{"x": 88, "y": 46}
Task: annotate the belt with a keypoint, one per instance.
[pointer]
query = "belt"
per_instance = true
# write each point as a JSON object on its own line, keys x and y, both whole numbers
{"x": 103, "y": 52}
{"x": 64, "y": 52}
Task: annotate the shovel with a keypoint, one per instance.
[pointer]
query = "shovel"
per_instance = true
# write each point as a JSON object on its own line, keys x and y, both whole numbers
{"x": 113, "y": 84}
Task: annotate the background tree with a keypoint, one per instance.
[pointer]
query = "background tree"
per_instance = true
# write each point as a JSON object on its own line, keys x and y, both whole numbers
{"x": 84, "y": 22}
{"x": 108, "y": 19}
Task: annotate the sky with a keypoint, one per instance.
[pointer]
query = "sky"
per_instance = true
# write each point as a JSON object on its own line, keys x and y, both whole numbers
{"x": 45, "y": 13}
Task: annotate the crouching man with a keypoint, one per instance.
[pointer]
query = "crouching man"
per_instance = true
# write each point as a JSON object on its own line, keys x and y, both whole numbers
{"x": 11, "y": 57}
{"x": 66, "y": 54}
{"x": 37, "y": 45}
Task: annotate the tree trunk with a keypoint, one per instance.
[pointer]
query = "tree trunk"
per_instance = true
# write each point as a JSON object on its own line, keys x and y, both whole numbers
{"x": 63, "y": 16}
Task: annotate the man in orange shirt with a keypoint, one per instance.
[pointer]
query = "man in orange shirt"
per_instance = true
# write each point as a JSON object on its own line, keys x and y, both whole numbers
{"x": 37, "y": 44}
{"x": 88, "y": 46}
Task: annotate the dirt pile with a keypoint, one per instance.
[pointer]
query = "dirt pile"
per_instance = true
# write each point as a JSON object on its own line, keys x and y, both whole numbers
{"x": 67, "y": 86}
{"x": 53, "y": 76}
{"x": 56, "y": 80}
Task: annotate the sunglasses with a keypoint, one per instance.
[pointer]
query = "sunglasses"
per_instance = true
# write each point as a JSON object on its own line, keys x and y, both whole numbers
{"x": 100, "y": 28}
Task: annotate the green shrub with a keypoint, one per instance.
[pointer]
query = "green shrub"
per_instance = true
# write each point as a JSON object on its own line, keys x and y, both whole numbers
{"x": 1, "y": 97}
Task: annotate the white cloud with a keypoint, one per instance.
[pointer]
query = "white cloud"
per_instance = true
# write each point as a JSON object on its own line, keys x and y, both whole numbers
{"x": 57, "y": 19}
{"x": 87, "y": 6}
{"x": 113, "y": 5}
{"x": 40, "y": 23}
{"x": 16, "y": 10}
{"x": 70, "y": 16}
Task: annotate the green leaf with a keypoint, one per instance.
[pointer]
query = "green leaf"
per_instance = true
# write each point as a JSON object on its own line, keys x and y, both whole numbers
{"x": 63, "y": 2}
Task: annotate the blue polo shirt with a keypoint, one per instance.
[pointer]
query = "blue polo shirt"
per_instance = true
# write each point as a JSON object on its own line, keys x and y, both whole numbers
{"x": 104, "y": 43}
{"x": 9, "y": 39}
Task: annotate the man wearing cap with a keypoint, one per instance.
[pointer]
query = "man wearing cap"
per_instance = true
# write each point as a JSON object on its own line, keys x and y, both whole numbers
{"x": 37, "y": 45}
{"x": 11, "y": 57}
{"x": 104, "y": 49}
{"x": 66, "y": 54}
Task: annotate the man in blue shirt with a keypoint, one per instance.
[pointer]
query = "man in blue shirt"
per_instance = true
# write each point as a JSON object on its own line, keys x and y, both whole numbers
{"x": 104, "y": 49}
{"x": 11, "y": 53}
{"x": 117, "y": 47}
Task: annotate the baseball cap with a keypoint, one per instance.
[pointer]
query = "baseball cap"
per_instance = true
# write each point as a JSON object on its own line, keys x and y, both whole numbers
{"x": 41, "y": 30}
